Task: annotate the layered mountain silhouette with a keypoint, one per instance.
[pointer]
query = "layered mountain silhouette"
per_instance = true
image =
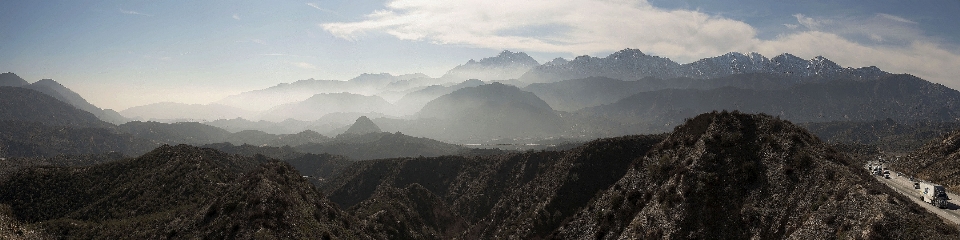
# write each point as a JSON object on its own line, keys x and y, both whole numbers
{"x": 181, "y": 112}
{"x": 506, "y": 65}
{"x": 64, "y": 94}
{"x": 322, "y": 104}
{"x": 414, "y": 101}
{"x": 56, "y": 90}
{"x": 284, "y": 93}
{"x": 23, "y": 104}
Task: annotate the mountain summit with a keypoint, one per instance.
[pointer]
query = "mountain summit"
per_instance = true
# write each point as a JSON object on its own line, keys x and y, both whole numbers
{"x": 506, "y": 65}
{"x": 11, "y": 80}
{"x": 363, "y": 126}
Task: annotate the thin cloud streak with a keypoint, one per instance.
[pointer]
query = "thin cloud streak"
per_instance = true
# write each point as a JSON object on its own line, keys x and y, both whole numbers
{"x": 131, "y": 12}
{"x": 590, "y": 27}
{"x": 317, "y": 6}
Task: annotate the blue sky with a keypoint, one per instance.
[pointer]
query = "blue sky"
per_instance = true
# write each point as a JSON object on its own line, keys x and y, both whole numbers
{"x": 120, "y": 54}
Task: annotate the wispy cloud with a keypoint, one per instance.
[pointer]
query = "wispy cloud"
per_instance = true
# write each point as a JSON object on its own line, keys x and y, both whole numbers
{"x": 131, "y": 12}
{"x": 317, "y": 6}
{"x": 236, "y": 16}
{"x": 895, "y": 18}
{"x": 304, "y": 65}
{"x": 257, "y": 41}
{"x": 285, "y": 55}
{"x": 809, "y": 22}
{"x": 589, "y": 27}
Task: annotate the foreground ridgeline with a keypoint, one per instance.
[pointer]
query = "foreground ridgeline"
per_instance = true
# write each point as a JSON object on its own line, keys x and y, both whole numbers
{"x": 718, "y": 175}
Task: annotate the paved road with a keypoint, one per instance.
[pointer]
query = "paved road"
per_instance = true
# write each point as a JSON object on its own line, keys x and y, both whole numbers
{"x": 904, "y": 186}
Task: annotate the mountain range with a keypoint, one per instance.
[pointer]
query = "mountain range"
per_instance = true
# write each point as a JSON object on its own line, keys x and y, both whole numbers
{"x": 392, "y": 173}
{"x": 632, "y": 64}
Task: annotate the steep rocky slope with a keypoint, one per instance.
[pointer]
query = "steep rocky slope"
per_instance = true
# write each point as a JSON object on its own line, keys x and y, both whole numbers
{"x": 737, "y": 176}
{"x": 936, "y": 161}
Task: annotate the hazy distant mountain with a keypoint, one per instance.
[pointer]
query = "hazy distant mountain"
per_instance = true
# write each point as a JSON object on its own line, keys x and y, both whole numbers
{"x": 22, "y": 104}
{"x": 506, "y": 65}
{"x": 9, "y": 79}
{"x": 632, "y": 64}
{"x": 366, "y": 84}
{"x": 175, "y": 133}
{"x": 491, "y": 111}
{"x": 362, "y": 126}
{"x": 627, "y": 64}
{"x": 322, "y": 104}
{"x": 414, "y": 101}
{"x": 199, "y": 134}
{"x": 903, "y": 98}
{"x": 181, "y": 112}
{"x": 381, "y": 145}
{"x": 575, "y": 94}
{"x": 62, "y": 93}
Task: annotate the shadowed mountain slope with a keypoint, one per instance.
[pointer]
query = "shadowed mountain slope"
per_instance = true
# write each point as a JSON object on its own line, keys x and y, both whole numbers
{"x": 21, "y": 104}
{"x": 179, "y": 192}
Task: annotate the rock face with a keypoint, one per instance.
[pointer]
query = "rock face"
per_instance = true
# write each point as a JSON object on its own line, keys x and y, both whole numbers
{"x": 363, "y": 125}
{"x": 937, "y": 161}
{"x": 506, "y": 65}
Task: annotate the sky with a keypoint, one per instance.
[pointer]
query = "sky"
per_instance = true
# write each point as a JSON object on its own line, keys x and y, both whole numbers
{"x": 121, "y": 54}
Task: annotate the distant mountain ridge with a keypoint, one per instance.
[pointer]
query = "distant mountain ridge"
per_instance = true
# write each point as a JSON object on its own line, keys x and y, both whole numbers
{"x": 506, "y": 65}
{"x": 632, "y": 64}
{"x": 283, "y": 93}
{"x": 903, "y": 98}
